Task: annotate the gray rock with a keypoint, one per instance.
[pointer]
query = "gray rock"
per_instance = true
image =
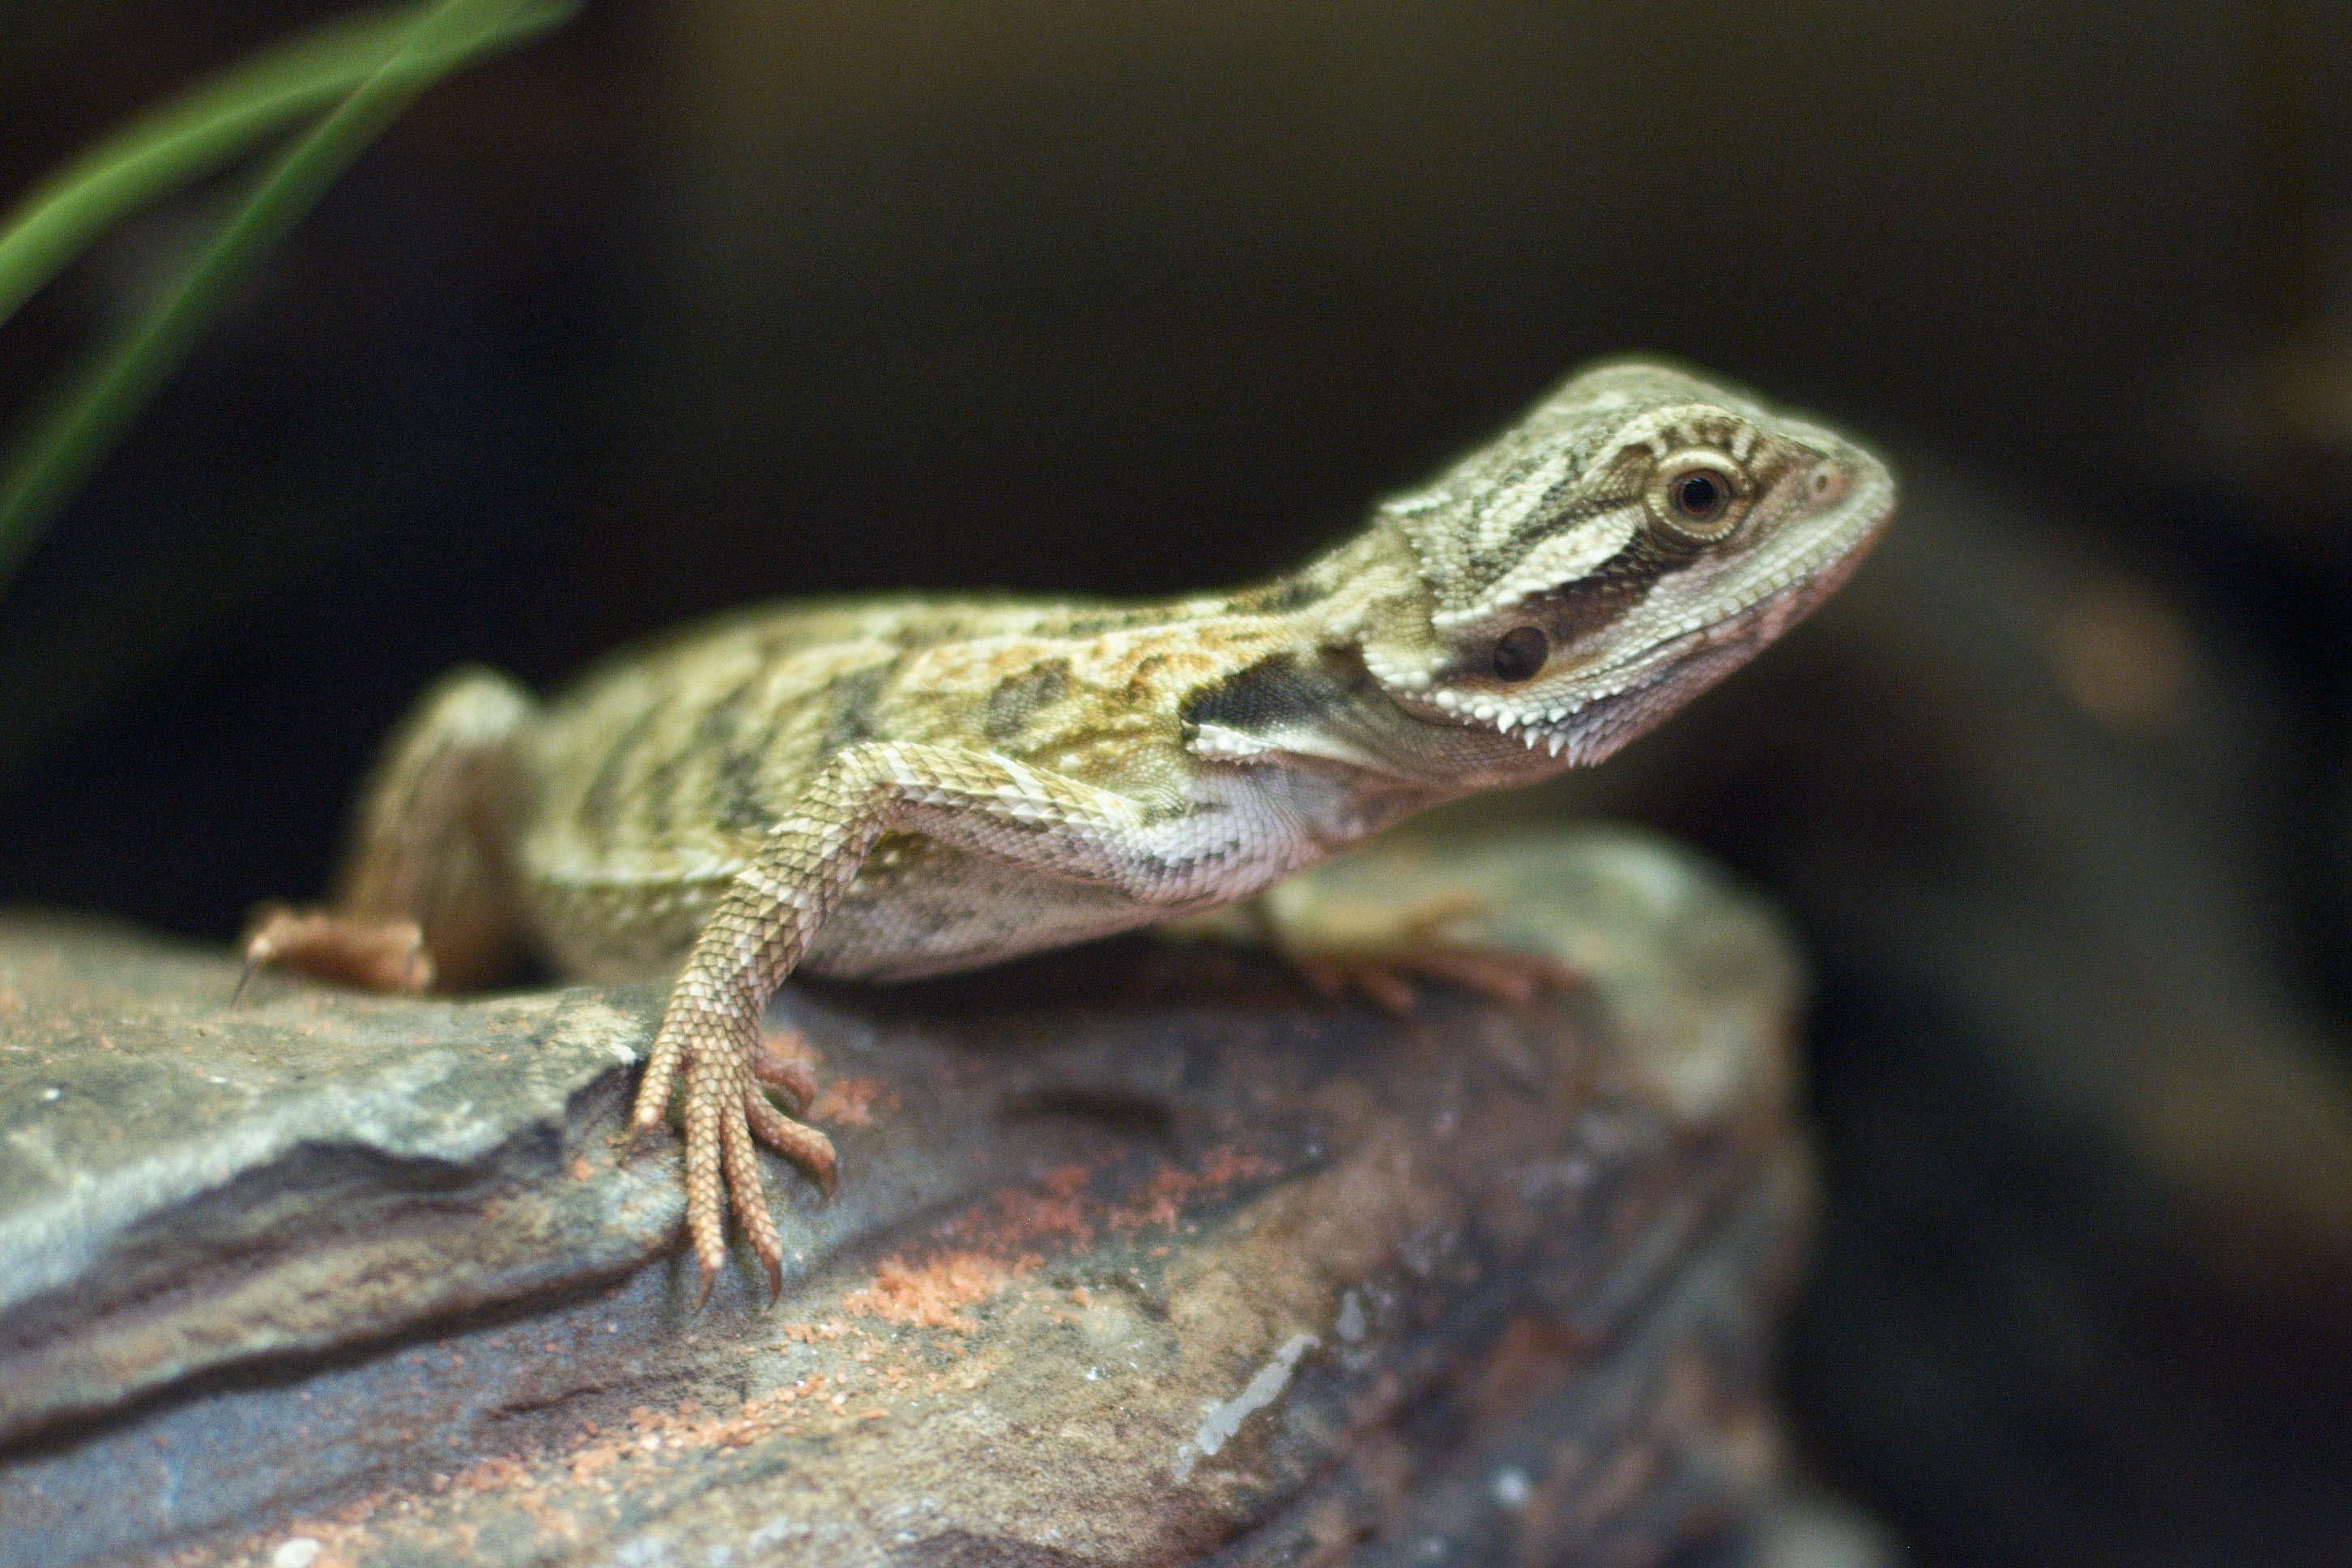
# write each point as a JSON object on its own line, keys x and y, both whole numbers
{"x": 1141, "y": 1256}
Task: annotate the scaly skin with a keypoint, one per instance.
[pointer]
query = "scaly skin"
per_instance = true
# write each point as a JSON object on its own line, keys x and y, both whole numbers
{"x": 893, "y": 788}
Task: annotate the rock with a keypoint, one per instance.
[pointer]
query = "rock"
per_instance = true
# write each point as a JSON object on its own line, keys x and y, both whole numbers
{"x": 1141, "y": 1256}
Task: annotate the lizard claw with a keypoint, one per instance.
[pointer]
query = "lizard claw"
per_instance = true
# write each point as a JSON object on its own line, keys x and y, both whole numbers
{"x": 251, "y": 963}
{"x": 782, "y": 1061}
{"x": 633, "y": 1134}
{"x": 1384, "y": 976}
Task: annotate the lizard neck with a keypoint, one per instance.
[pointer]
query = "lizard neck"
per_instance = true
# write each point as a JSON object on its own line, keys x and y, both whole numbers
{"x": 1312, "y": 692}
{"x": 1363, "y": 592}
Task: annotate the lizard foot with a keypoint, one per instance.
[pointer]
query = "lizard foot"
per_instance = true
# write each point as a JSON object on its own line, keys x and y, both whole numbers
{"x": 1384, "y": 976}
{"x": 1377, "y": 954}
{"x": 374, "y": 953}
{"x": 725, "y": 1066}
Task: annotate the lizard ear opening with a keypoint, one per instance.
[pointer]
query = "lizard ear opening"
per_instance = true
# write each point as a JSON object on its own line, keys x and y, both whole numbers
{"x": 1520, "y": 653}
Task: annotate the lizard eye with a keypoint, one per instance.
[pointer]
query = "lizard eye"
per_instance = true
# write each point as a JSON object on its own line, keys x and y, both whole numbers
{"x": 1521, "y": 653}
{"x": 1699, "y": 496}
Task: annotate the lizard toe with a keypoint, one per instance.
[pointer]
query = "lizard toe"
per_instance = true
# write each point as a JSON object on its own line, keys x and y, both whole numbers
{"x": 705, "y": 1180}
{"x": 1334, "y": 976}
{"x": 748, "y": 1196}
{"x": 803, "y": 1145}
{"x": 1499, "y": 974}
{"x": 1384, "y": 976}
{"x": 782, "y": 1062}
{"x": 652, "y": 1103}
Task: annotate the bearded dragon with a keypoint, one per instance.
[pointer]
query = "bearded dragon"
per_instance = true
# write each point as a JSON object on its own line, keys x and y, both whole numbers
{"x": 886, "y": 788}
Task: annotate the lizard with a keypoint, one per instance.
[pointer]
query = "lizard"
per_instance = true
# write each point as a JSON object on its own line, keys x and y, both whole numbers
{"x": 892, "y": 787}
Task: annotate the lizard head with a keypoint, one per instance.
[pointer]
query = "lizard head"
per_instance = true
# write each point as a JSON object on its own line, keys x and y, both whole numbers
{"x": 1637, "y": 536}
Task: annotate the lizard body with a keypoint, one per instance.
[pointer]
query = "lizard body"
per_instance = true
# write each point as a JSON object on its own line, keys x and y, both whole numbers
{"x": 887, "y": 788}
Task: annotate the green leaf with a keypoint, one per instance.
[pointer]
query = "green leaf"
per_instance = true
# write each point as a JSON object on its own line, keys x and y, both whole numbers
{"x": 362, "y": 72}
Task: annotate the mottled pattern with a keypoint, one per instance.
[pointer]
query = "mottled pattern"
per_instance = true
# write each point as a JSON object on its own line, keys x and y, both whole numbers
{"x": 896, "y": 787}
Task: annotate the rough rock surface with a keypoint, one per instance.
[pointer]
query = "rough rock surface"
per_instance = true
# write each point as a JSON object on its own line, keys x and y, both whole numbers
{"x": 1141, "y": 1256}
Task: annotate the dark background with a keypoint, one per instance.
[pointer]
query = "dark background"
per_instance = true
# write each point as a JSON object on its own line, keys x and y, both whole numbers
{"x": 697, "y": 303}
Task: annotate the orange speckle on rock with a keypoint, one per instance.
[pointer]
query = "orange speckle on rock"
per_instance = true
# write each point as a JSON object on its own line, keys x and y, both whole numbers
{"x": 490, "y": 1474}
{"x": 791, "y": 1046}
{"x": 586, "y": 1463}
{"x": 580, "y": 1170}
{"x": 1161, "y": 1200}
{"x": 849, "y": 1101}
{"x": 810, "y": 1334}
{"x": 928, "y": 1295}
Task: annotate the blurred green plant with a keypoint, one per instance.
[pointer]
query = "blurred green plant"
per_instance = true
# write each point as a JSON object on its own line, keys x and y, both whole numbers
{"x": 350, "y": 78}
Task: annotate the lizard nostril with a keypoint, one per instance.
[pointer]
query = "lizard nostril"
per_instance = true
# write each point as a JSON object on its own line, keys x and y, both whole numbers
{"x": 1827, "y": 483}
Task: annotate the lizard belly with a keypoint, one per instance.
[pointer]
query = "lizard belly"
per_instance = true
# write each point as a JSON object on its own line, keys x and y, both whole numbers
{"x": 932, "y": 909}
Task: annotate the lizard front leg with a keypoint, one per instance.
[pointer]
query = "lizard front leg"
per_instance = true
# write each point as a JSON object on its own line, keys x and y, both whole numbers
{"x": 972, "y": 800}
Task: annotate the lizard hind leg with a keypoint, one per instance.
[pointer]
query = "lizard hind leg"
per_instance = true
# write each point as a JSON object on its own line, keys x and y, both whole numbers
{"x": 425, "y": 897}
